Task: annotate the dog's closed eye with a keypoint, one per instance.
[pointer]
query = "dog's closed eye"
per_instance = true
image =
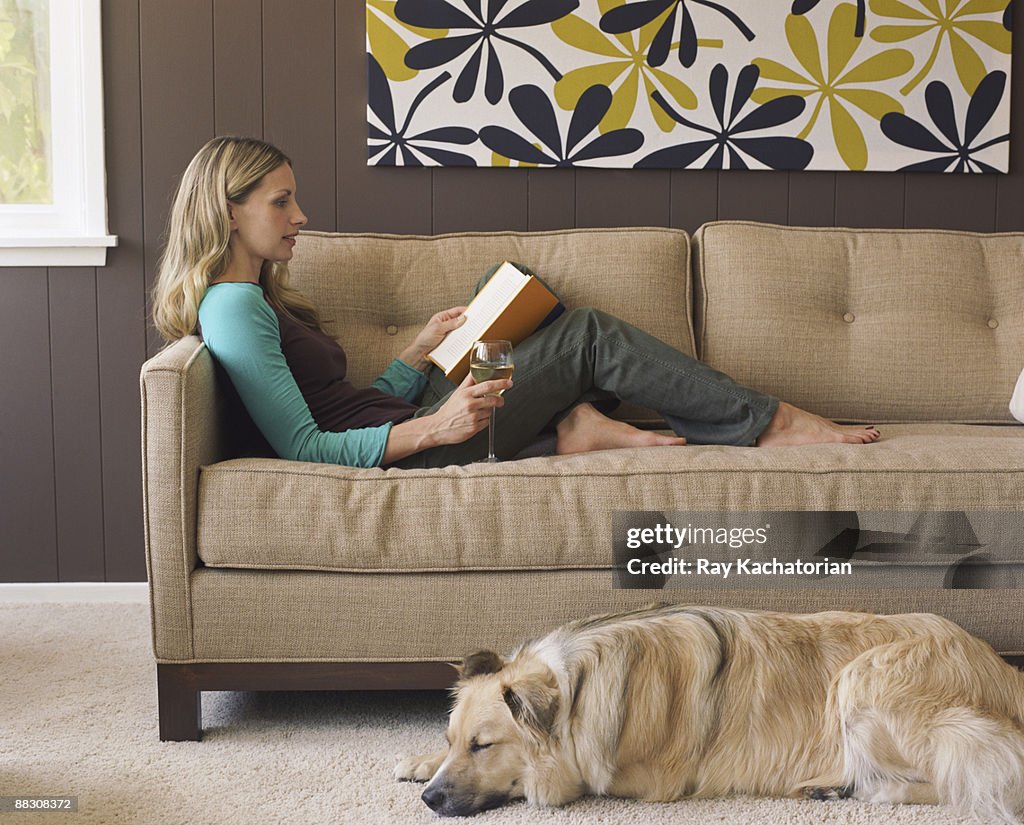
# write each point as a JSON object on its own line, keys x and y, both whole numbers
{"x": 477, "y": 746}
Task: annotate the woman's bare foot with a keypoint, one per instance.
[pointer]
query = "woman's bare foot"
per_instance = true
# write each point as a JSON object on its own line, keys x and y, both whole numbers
{"x": 585, "y": 429}
{"x": 790, "y": 425}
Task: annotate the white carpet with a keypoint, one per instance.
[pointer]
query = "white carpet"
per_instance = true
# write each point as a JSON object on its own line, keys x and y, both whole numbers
{"x": 78, "y": 717}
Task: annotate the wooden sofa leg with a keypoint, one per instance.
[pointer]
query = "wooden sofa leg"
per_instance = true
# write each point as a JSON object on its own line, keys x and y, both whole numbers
{"x": 180, "y": 705}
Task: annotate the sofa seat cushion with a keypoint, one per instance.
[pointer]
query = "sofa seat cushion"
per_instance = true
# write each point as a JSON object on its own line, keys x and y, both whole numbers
{"x": 274, "y": 514}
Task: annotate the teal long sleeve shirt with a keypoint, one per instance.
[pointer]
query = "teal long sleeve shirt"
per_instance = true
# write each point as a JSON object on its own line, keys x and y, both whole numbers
{"x": 242, "y": 332}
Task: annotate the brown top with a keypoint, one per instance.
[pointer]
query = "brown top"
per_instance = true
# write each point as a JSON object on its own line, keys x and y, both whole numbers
{"x": 319, "y": 366}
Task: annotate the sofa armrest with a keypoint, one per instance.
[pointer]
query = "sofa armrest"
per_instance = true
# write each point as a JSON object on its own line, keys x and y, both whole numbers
{"x": 182, "y": 429}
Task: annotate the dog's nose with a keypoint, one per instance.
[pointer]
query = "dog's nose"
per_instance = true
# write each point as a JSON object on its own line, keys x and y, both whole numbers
{"x": 434, "y": 798}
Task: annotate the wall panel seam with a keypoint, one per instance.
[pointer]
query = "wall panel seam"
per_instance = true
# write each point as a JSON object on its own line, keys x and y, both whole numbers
{"x": 334, "y": 120}
{"x": 99, "y": 423}
{"x": 263, "y": 70}
{"x": 835, "y": 199}
{"x": 905, "y": 188}
{"x": 53, "y": 425}
{"x": 213, "y": 63}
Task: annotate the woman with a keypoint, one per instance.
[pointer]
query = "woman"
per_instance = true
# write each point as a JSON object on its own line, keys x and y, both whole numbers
{"x": 233, "y": 227}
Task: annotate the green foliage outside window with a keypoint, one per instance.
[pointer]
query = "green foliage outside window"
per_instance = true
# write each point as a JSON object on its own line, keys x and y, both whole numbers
{"x": 25, "y": 169}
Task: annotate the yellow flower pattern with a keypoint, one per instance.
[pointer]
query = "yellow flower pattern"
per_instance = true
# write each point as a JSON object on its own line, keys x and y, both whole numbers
{"x": 386, "y": 44}
{"x": 628, "y": 53}
{"x": 834, "y": 81}
{"x": 960, "y": 23}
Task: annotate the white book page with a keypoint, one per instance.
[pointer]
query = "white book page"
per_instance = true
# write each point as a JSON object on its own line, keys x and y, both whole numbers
{"x": 489, "y": 303}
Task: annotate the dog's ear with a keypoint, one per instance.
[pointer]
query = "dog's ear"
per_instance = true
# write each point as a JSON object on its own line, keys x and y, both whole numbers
{"x": 485, "y": 661}
{"x": 533, "y": 701}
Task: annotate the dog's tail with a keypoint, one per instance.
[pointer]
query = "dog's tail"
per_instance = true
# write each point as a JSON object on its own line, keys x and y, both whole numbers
{"x": 978, "y": 763}
{"x": 961, "y": 756}
{"x": 934, "y": 723}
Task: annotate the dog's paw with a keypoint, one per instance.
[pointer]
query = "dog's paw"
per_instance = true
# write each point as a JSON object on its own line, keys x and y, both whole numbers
{"x": 824, "y": 794}
{"x": 419, "y": 768}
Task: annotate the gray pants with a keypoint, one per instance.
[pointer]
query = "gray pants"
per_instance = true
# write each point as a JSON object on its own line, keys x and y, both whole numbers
{"x": 588, "y": 355}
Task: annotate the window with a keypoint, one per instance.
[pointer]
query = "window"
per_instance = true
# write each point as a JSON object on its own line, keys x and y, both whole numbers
{"x": 53, "y": 208}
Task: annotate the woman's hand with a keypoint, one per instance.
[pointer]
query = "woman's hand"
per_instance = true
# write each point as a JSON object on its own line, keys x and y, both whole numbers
{"x": 431, "y": 335}
{"x": 467, "y": 410}
{"x": 465, "y": 413}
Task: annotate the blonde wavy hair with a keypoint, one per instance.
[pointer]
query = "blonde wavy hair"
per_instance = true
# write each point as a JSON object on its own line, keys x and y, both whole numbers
{"x": 199, "y": 231}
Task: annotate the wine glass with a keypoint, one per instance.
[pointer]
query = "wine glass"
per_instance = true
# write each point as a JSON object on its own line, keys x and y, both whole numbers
{"x": 490, "y": 360}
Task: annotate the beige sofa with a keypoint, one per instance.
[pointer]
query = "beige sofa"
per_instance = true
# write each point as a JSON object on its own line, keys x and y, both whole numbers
{"x": 269, "y": 574}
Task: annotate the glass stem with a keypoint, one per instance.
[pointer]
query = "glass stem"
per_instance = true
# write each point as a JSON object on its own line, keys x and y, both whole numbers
{"x": 490, "y": 437}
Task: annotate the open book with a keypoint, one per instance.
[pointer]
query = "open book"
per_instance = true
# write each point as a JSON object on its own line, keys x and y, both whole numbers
{"x": 510, "y": 307}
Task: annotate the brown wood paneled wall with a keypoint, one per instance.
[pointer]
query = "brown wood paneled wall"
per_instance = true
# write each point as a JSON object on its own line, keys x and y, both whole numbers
{"x": 176, "y": 73}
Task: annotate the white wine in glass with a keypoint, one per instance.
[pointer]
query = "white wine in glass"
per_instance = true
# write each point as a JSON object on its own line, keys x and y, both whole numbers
{"x": 489, "y": 361}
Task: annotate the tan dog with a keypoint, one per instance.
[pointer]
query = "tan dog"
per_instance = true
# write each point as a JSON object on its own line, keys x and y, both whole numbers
{"x": 672, "y": 702}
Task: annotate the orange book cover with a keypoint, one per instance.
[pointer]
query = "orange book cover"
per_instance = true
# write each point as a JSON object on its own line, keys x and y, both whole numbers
{"x": 521, "y": 316}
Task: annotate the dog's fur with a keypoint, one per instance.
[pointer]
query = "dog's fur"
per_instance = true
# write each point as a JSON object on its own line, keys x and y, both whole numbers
{"x": 673, "y": 702}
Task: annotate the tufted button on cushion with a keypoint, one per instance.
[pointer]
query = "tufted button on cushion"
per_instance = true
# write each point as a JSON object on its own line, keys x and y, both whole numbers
{"x": 849, "y": 317}
{"x": 392, "y": 329}
{"x": 992, "y": 323}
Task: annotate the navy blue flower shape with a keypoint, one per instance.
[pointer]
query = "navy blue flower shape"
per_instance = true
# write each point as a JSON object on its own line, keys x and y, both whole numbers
{"x": 776, "y": 152}
{"x": 532, "y": 106}
{"x": 395, "y": 140}
{"x": 1008, "y": 17}
{"x": 804, "y": 6}
{"x": 906, "y": 131}
{"x": 632, "y": 16}
{"x": 484, "y": 29}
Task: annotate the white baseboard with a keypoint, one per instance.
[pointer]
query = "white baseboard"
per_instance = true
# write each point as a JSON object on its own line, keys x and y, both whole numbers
{"x": 75, "y": 592}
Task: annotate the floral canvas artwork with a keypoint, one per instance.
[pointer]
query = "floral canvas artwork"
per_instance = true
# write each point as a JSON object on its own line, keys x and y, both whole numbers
{"x": 871, "y": 85}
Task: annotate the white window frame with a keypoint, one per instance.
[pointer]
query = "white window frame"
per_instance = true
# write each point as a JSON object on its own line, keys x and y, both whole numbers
{"x": 72, "y": 231}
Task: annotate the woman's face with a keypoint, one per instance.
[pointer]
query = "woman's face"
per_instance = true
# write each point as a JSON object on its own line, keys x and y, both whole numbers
{"x": 264, "y": 227}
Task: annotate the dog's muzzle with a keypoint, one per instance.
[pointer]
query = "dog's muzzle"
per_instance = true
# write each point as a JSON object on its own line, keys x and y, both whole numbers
{"x": 444, "y": 803}
{"x": 434, "y": 798}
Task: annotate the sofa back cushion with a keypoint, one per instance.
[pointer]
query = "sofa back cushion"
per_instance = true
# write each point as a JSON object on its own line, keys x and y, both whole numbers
{"x": 864, "y": 324}
{"x": 375, "y": 292}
